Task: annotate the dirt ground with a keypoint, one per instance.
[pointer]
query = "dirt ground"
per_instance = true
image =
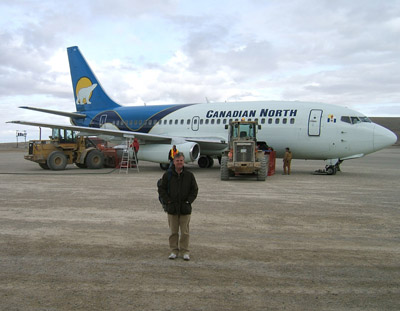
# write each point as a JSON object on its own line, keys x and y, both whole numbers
{"x": 98, "y": 240}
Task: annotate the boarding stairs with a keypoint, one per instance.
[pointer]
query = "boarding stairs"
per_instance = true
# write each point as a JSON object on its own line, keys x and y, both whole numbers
{"x": 127, "y": 161}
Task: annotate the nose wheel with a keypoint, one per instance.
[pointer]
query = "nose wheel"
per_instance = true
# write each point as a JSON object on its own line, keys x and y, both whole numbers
{"x": 330, "y": 169}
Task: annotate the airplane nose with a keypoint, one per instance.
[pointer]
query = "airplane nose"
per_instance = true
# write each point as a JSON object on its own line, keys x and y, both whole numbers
{"x": 383, "y": 137}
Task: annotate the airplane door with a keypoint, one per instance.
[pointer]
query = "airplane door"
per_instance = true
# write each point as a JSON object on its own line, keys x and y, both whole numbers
{"x": 195, "y": 123}
{"x": 314, "y": 122}
{"x": 103, "y": 119}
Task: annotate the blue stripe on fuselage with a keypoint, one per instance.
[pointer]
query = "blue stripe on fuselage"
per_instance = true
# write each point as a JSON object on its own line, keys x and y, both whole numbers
{"x": 122, "y": 117}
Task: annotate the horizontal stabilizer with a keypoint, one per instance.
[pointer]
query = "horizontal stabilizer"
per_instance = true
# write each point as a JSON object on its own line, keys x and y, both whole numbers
{"x": 57, "y": 112}
{"x": 100, "y": 131}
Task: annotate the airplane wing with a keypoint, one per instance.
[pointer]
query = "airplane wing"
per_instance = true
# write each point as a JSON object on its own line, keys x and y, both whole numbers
{"x": 150, "y": 138}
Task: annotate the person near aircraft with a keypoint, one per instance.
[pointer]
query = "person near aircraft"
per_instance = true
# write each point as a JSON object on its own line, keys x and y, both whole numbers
{"x": 179, "y": 189}
{"x": 287, "y": 159}
{"x": 172, "y": 153}
{"x": 135, "y": 145}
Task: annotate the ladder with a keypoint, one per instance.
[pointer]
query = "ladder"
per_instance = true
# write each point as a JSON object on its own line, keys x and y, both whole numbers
{"x": 127, "y": 161}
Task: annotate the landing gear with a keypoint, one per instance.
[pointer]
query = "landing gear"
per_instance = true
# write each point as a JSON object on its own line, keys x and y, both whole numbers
{"x": 205, "y": 161}
{"x": 164, "y": 166}
{"x": 332, "y": 166}
{"x": 330, "y": 170}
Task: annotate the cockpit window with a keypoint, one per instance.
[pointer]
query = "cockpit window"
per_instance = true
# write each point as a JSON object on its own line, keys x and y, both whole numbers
{"x": 345, "y": 119}
{"x": 354, "y": 120}
{"x": 365, "y": 119}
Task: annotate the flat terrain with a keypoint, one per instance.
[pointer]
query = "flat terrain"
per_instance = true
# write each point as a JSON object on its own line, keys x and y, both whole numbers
{"x": 98, "y": 240}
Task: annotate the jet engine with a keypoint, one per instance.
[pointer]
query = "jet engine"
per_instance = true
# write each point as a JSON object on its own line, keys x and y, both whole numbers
{"x": 159, "y": 152}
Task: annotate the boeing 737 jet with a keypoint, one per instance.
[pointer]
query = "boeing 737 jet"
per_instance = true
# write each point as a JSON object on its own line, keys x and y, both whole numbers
{"x": 312, "y": 130}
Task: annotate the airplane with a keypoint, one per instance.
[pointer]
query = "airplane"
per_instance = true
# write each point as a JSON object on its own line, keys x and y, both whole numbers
{"x": 315, "y": 131}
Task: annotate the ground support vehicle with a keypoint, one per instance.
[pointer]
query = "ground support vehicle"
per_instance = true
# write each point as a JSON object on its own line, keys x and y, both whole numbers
{"x": 65, "y": 147}
{"x": 243, "y": 156}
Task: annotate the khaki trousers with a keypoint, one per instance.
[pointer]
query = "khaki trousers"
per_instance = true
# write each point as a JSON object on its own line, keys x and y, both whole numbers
{"x": 175, "y": 222}
{"x": 286, "y": 164}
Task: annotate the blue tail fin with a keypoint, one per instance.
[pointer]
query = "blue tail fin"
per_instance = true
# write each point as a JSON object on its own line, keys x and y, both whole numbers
{"x": 88, "y": 92}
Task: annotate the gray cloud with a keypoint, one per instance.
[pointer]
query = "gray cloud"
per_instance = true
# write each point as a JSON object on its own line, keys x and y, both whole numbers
{"x": 343, "y": 52}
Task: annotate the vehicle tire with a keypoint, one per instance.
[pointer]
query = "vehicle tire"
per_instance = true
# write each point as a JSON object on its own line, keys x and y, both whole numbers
{"x": 44, "y": 166}
{"x": 164, "y": 166}
{"x": 95, "y": 159}
{"x": 224, "y": 168}
{"x": 262, "y": 172}
{"x": 57, "y": 161}
{"x": 80, "y": 165}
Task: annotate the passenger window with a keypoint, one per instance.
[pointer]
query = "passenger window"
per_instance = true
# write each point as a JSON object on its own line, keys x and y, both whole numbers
{"x": 292, "y": 121}
{"x": 170, "y": 122}
{"x": 277, "y": 121}
{"x": 201, "y": 121}
{"x": 262, "y": 121}
{"x": 212, "y": 121}
{"x": 188, "y": 121}
{"x": 176, "y": 121}
{"x": 270, "y": 121}
{"x": 207, "y": 121}
{"x": 284, "y": 120}
{"x": 182, "y": 121}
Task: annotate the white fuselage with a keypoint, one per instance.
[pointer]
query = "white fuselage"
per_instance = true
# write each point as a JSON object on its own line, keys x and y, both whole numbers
{"x": 311, "y": 130}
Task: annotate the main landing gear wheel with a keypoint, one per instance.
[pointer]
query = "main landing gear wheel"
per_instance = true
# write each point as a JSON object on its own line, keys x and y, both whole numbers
{"x": 205, "y": 162}
{"x": 164, "y": 166}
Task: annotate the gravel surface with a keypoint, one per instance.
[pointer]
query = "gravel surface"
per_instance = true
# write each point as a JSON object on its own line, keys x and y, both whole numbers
{"x": 98, "y": 240}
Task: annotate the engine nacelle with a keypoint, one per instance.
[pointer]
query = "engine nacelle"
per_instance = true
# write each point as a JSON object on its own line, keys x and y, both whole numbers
{"x": 159, "y": 152}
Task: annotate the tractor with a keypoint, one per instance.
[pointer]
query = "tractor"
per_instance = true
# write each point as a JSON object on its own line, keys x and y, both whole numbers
{"x": 243, "y": 156}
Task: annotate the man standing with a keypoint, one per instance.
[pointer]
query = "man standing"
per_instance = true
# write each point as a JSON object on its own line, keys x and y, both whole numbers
{"x": 178, "y": 189}
{"x": 287, "y": 159}
{"x": 171, "y": 155}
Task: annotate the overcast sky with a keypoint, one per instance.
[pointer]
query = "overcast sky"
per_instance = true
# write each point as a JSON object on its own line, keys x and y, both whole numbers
{"x": 170, "y": 51}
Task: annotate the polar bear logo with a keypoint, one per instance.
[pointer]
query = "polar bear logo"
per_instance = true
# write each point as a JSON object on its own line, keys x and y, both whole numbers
{"x": 84, "y": 95}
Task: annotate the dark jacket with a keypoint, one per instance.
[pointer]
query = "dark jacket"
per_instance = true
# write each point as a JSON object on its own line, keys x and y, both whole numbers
{"x": 182, "y": 191}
